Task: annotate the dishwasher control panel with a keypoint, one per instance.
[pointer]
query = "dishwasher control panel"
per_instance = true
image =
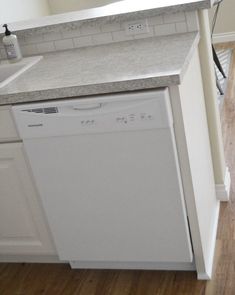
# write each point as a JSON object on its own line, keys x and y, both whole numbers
{"x": 120, "y": 119}
{"x": 125, "y": 113}
{"x": 134, "y": 117}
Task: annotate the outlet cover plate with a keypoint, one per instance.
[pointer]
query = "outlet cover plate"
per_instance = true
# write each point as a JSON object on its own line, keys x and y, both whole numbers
{"x": 137, "y": 27}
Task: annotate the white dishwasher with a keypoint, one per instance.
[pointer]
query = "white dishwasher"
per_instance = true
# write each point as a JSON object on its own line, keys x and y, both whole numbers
{"x": 107, "y": 172}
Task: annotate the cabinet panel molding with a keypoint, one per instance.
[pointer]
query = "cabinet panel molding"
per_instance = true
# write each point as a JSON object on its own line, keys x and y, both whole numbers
{"x": 23, "y": 228}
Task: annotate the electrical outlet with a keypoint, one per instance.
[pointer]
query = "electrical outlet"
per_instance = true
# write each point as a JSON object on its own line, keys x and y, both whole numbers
{"x": 137, "y": 27}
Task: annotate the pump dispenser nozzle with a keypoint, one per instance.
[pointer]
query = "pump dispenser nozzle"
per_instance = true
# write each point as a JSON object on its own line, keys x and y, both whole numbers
{"x": 7, "y": 32}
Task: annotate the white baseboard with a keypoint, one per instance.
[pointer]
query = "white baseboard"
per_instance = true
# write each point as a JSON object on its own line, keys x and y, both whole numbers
{"x": 203, "y": 277}
{"x": 186, "y": 266}
{"x": 224, "y": 37}
{"x": 223, "y": 190}
{"x": 30, "y": 258}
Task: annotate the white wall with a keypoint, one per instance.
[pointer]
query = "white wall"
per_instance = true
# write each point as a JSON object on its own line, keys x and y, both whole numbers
{"x": 15, "y": 10}
{"x": 61, "y": 6}
{"x": 225, "y": 24}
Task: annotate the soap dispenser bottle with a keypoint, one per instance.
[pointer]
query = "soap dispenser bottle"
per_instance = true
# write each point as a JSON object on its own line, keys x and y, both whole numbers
{"x": 11, "y": 45}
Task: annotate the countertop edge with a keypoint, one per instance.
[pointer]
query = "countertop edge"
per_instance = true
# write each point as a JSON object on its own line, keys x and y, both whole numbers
{"x": 90, "y": 90}
{"x": 170, "y": 78}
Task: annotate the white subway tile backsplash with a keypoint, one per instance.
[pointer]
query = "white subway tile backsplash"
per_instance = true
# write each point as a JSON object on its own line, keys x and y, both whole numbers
{"x": 103, "y": 38}
{"x": 90, "y": 29}
{"x": 174, "y": 17}
{"x": 75, "y": 35}
{"x": 111, "y": 27}
{"x": 146, "y": 35}
{"x": 64, "y": 44}
{"x": 29, "y": 49}
{"x": 46, "y": 47}
{"x": 21, "y": 41}
{"x": 192, "y": 21}
{"x": 82, "y": 41}
{"x": 33, "y": 39}
{"x": 166, "y": 29}
{"x": 121, "y": 36}
{"x": 52, "y": 36}
{"x": 181, "y": 27}
{"x": 71, "y": 33}
{"x": 155, "y": 20}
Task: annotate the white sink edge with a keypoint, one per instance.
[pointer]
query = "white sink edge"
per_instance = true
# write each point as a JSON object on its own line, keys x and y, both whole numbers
{"x": 26, "y": 63}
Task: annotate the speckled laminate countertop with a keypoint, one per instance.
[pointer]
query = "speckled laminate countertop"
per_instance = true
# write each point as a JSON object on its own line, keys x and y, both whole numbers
{"x": 125, "y": 66}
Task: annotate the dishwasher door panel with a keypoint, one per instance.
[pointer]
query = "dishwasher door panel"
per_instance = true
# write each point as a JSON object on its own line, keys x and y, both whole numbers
{"x": 113, "y": 196}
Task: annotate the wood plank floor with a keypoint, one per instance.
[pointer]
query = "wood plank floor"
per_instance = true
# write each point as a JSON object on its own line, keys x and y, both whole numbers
{"x": 59, "y": 279}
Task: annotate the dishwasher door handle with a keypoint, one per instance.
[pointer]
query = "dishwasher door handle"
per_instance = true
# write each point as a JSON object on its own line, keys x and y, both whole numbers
{"x": 87, "y": 107}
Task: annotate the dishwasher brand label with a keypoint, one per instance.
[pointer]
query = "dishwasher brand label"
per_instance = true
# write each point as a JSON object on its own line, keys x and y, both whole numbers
{"x": 35, "y": 125}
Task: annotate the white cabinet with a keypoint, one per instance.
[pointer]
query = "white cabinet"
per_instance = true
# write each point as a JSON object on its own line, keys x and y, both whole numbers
{"x": 8, "y": 130}
{"x": 23, "y": 229}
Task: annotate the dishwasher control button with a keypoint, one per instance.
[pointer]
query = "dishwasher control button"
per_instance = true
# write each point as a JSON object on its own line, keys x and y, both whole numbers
{"x": 120, "y": 119}
{"x": 87, "y": 122}
{"x": 132, "y": 117}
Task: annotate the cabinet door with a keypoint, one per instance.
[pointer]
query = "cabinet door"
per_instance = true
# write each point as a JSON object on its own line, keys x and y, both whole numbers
{"x": 7, "y": 126}
{"x": 23, "y": 228}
